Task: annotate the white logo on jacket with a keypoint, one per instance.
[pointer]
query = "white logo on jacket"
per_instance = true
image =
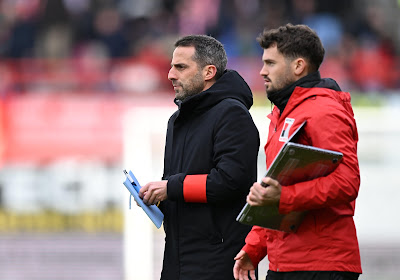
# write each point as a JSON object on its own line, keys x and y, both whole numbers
{"x": 284, "y": 136}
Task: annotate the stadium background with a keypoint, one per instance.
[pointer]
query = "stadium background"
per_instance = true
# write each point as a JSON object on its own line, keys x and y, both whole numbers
{"x": 84, "y": 93}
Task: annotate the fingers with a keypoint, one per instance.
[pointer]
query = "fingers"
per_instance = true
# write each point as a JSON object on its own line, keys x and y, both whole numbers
{"x": 260, "y": 195}
{"x": 255, "y": 195}
{"x": 259, "y": 191}
{"x": 250, "y": 200}
{"x": 239, "y": 274}
{"x": 236, "y": 270}
{"x": 154, "y": 192}
{"x": 240, "y": 269}
{"x": 268, "y": 181}
{"x": 243, "y": 275}
{"x": 252, "y": 274}
{"x": 146, "y": 193}
{"x": 150, "y": 197}
{"x": 265, "y": 181}
{"x": 236, "y": 267}
{"x": 143, "y": 190}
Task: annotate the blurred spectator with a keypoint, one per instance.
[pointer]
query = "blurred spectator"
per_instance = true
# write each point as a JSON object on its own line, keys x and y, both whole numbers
{"x": 196, "y": 16}
{"x": 55, "y": 31}
{"x": 97, "y": 32}
{"x": 20, "y": 18}
{"x": 108, "y": 29}
{"x": 373, "y": 66}
{"x": 93, "y": 65}
{"x": 329, "y": 27}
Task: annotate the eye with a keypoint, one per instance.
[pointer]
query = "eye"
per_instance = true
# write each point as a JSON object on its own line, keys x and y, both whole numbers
{"x": 179, "y": 67}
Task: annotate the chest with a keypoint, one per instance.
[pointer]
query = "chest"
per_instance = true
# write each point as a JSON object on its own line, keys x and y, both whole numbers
{"x": 283, "y": 129}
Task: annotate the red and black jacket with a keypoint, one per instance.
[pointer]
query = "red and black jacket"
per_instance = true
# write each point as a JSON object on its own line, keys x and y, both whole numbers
{"x": 326, "y": 240}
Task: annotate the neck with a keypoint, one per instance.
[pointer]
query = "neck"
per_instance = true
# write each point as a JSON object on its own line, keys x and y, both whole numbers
{"x": 280, "y": 98}
{"x": 208, "y": 84}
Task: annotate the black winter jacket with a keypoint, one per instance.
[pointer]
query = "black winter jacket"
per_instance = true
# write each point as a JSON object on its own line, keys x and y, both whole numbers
{"x": 210, "y": 163}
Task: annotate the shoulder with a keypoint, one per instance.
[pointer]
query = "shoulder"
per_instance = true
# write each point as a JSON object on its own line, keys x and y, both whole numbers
{"x": 231, "y": 104}
{"x": 229, "y": 110}
{"x": 230, "y": 114}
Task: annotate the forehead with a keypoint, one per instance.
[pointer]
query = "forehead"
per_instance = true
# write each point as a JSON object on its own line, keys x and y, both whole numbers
{"x": 183, "y": 55}
{"x": 272, "y": 53}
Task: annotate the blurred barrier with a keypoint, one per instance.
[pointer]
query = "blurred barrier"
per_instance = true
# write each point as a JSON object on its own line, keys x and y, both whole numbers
{"x": 90, "y": 222}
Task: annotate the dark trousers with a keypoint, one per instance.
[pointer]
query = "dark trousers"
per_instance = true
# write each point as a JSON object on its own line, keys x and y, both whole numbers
{"x": 312, "y": 275}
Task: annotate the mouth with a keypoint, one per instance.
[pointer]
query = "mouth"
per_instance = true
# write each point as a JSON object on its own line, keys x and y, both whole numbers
{"x": 176, "y": 85}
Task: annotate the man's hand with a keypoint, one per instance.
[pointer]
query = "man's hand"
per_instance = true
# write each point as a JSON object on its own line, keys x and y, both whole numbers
{"x": 243, "y": 266}
{"x": 261, "y": 196}
{"x": 154, "y": 192}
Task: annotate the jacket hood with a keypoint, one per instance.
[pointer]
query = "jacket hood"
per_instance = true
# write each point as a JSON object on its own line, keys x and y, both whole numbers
{"x": 229, "y": 85}
{"x": 315, "y": 81}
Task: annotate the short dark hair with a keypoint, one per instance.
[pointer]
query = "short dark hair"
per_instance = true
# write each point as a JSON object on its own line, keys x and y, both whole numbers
{"x": 208, "y": 51}
{"x": 295, "y": 41}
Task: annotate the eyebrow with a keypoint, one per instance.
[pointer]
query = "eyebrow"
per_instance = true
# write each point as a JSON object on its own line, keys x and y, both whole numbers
{"x": 269, "y": 60}
{"x": 178, "y": 64}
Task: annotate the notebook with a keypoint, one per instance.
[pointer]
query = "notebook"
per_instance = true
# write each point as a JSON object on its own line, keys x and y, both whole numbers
{"x": 294, "y": 163}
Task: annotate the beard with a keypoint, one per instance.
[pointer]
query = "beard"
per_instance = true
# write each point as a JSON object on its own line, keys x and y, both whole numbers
{"x": 195, "y": 86}
{"x": 280, "y": 83}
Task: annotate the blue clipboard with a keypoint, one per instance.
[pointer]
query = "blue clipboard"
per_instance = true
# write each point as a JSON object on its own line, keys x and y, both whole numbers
{"x": 152, "y": 211}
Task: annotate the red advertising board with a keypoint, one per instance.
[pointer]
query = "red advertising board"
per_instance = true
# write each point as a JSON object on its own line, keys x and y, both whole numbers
{"x": 43, "y": 128}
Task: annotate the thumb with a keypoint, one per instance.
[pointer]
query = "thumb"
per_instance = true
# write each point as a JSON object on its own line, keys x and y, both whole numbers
{"x": 240, "y": 255}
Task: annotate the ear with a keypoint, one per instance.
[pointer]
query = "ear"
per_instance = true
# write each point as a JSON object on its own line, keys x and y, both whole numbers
{"x": 209, "y": 72}
{"x": 300, "y": 67}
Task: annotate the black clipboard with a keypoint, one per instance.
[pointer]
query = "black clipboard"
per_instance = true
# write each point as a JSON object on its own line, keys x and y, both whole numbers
{"x": 294, "y": 163}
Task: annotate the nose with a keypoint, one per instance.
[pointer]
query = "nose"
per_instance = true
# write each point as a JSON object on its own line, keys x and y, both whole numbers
{"x": 171, "y": 74}
{"x": 263, "y": 71}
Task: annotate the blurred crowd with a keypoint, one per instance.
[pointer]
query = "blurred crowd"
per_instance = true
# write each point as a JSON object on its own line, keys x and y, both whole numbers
{"x": 126, "y": 45}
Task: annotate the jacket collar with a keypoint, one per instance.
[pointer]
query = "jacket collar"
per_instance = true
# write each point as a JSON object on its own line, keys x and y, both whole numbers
{"x": 280, "y": 98}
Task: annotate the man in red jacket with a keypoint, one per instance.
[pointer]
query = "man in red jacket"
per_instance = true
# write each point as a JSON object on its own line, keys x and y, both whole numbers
{"x": 325, "y": 245}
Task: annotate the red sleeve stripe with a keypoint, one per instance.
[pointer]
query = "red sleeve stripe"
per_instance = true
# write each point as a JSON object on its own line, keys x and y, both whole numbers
{"x": 194, "y": 188}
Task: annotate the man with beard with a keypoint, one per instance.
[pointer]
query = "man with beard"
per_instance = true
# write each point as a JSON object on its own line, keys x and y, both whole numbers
{"x": 210, "y": 163}
{"x": 325, "y": 245}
